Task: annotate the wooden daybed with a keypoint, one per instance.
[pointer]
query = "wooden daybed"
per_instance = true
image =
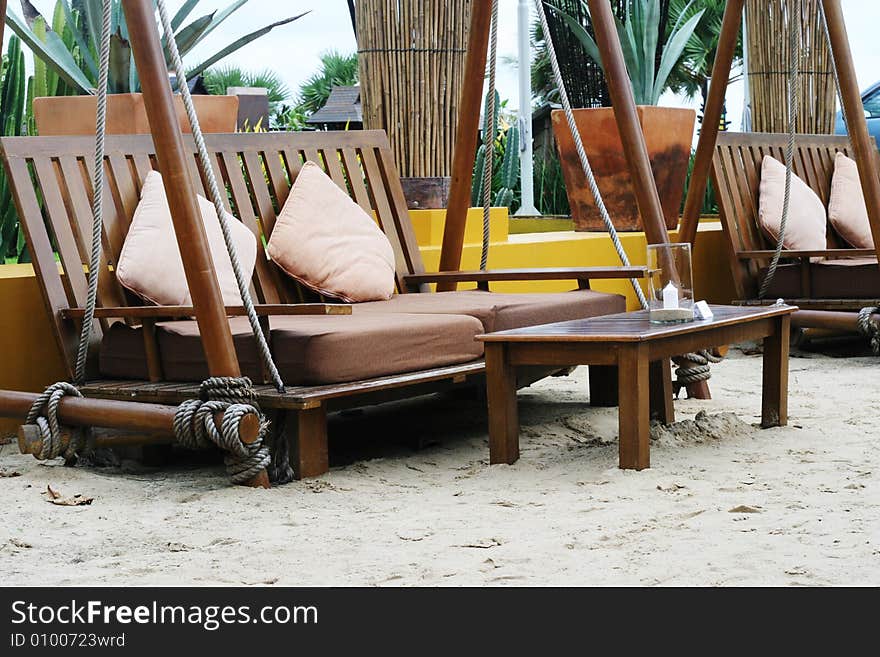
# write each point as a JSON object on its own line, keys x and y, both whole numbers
{"x": 838, "y": 278}
{"x": 331, "y": 356}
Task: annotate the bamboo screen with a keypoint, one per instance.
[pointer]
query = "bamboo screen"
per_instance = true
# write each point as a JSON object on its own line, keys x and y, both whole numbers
{"x": 412, "y": 55}
{"x": 768, "y": 47}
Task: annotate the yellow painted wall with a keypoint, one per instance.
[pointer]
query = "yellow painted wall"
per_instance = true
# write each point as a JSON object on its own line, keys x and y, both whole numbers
{"x": 30, "y": 360}
{"x": 29, "y": 357}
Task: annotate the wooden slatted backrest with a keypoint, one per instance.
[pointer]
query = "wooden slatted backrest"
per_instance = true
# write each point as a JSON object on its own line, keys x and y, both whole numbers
{"x": 736, "y": 176}
{"x": 51, "y": 182}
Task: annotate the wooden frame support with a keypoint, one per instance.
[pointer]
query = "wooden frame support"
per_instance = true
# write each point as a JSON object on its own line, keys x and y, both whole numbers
{"x": 853, "y": 111}
{"x": 466, "y": 141}
{"x": 623, "y": 102}
{"x": 185, "y": 214}
{"x": 724, "y": 55}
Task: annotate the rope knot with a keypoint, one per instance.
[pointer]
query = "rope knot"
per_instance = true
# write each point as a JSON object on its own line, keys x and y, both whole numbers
{"x": 195, "y": 427}
{"x": 870, "y": 328}
{"x": 44, "y": 414}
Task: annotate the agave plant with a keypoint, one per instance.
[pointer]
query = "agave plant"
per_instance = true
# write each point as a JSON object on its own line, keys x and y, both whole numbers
{"x": 639, "y": 32}
{"x": 74, "y": 59}
{"x": 13, "y": 116}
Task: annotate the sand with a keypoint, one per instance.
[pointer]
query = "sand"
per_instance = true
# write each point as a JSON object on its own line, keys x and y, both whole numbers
{"x": 411, "y": 500}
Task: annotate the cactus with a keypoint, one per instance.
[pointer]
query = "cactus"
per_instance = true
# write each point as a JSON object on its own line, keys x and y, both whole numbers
{"x": 12, "y": 113}
{"x": 505, "y": 160}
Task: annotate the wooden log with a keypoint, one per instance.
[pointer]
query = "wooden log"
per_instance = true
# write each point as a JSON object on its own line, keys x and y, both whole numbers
{"x": 2, "y": 19}
{"x": 853, "y": 110}
{"x": 466, "y": 140}
{"x": 711, "y": 124}
{"x": 623, "y": 102}
{"x": 829, "y": 320}
{"x": 80, "y": 411}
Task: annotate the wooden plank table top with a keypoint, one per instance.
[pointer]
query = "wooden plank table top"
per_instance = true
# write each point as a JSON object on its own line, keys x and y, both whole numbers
{"x": 629, "y": 361}
{"x": 632, "y": 326}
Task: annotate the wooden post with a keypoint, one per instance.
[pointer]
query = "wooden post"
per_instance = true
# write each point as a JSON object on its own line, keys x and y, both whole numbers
{"x": 185, "y": 214}
{"x": 174, "y": 166}
{"x": 853, "y": 111}
{"x": 466, "y": 140}
{"x": 2, "y": 19}
{"x": 628, "y": 124}
{"x": 730, "y": 26}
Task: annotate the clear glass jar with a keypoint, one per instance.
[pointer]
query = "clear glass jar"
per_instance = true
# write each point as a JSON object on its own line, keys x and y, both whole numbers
{"x": 670, "y": 283}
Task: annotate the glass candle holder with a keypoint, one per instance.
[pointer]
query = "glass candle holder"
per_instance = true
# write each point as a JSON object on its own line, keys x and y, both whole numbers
{"x": 670, "y": 283}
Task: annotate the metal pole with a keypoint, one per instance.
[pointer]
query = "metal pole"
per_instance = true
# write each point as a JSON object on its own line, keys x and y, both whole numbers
{"x": 527, "y": 160}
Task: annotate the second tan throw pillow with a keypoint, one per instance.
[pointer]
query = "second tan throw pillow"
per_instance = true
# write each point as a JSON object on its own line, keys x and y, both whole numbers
{"x": 328, "y": 243}
{"x": 847, "y": 211}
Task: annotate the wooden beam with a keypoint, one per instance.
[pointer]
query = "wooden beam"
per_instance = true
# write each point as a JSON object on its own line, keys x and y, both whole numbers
{"x": 172, "y": 156}
{"x": 186, "y": 216}
{"x": 864, "y": 150}
{"x": 2, "y": 19}
{"x": 730, "y": 26}
{"x": 628, "y": 124}
{"x": 466, "y": 140}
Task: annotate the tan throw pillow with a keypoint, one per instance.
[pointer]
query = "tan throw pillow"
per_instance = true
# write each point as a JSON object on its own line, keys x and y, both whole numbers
{"x": 847, "y": 211}
{"x": 328, "y": 243}
{"x": 807, "y": 224}
{"x": 150, "y": 264}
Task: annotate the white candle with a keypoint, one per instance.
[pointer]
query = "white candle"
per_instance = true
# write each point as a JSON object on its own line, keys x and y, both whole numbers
{"x": 670, "y": 297}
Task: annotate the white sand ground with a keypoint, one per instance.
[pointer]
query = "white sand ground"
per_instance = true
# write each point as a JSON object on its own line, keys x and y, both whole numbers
{"x": 723, "y": 504}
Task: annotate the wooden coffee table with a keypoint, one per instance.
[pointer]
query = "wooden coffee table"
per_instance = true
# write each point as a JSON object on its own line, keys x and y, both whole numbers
{"x": 630, "y": 356}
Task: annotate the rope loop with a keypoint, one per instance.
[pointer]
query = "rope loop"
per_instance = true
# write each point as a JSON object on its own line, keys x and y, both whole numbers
{"x": 870, "y": 327}
{"x": 695, "y": 367}
{"x": 44, "y": 415}
{"x": 195, "y": 428}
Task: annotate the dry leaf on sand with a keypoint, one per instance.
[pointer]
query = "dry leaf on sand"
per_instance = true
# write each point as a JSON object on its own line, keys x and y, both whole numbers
{"x": 56, "y": 498}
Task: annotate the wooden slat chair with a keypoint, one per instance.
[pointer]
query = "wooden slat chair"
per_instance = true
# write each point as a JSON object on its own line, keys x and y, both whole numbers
{"x": 845, "y": 278}
{"x": 50, "y": 178}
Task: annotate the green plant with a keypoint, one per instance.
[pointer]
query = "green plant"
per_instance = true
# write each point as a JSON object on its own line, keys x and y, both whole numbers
{"x": 12, "y": 121}
{"x": 550, "y": 195}
{"x": 693, "y": 75}
{"x": 336, "y": 71}
{"x": 639, "y": 33}
{"x": 70, "y": 48}
{"x": 218, "y": 80}
{"x": 505, "y": 160}
{"x": 710, "y": 204}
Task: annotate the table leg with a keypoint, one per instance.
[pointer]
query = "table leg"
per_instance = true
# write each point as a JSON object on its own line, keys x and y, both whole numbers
{"x": 774, "y": 402}
{"x": 503, "y": 416}
{"x": 634, "y": 413}
{"x": 660, "y": 376}
{"x": 603, "y": 386}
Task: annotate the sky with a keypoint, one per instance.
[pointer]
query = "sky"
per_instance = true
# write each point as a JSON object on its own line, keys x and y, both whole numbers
{"x": 293, "y": 50}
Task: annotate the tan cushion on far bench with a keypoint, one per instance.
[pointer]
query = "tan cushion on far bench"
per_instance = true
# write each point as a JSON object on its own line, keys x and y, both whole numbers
{"x": 309, "y": 350}
{"x": 500, "y": 312}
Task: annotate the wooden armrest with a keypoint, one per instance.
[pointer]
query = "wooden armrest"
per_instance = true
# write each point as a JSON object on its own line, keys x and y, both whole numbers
{"x": 827, "y": 253}
{"x": 176, "y": 312}
{"x": 543, "y": 274}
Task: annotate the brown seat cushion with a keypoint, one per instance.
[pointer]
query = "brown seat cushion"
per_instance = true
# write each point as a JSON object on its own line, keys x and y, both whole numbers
{"x": 850, "y": 278}
{"x": 500, "y": 312}
{"x": 309, "y": 350}
{"x": 853, "y": 278}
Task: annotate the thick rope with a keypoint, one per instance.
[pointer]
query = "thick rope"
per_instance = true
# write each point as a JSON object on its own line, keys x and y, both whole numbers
{"x": 217, "y": 197}
{"x": 44, "y": 415}
{"x": 794, "y": 29}
{"x": 489, "y": 137}
{"x": 582, "y": 154}
{"x": 870, "y": 327}
{"x": 695, "y": 367}
{"x": 195, "y": 428}
{"x": 44, "y": 411}
{"x": 98, "y": 198}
